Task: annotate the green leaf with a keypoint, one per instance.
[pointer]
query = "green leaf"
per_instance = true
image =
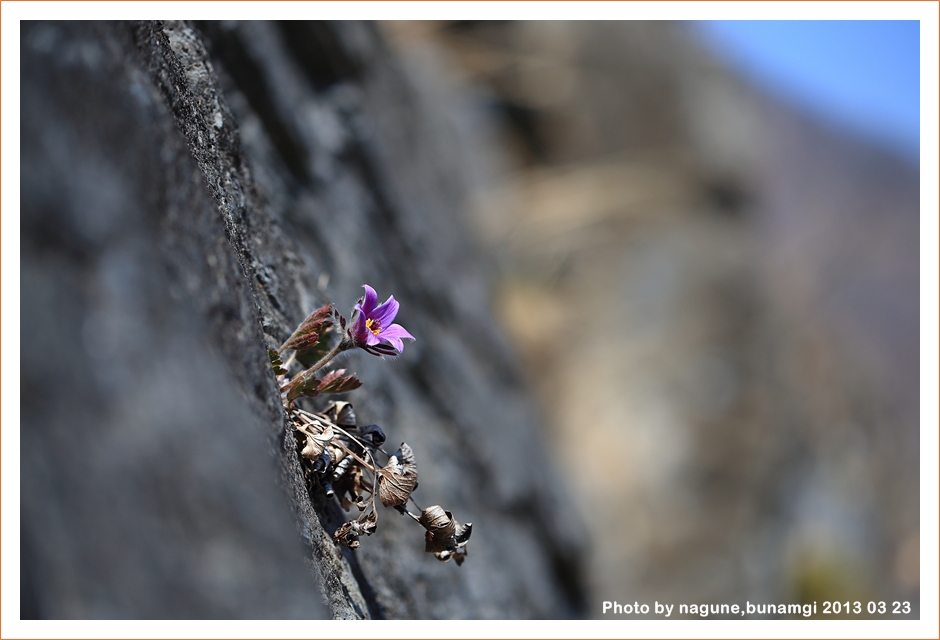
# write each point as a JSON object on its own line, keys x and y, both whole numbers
{"x": 276, "y": 363}
{"x": 309, "y": 331}
{"x": 305, "y": 384}
{"x": 309, "y": 356}
{"x": 316, "y": 320}
{"x": 303, "y": 341}
{"x": 336, "y": 382}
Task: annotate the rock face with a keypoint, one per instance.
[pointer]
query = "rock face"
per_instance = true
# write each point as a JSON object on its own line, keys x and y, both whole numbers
{"x": 189, "y": 194}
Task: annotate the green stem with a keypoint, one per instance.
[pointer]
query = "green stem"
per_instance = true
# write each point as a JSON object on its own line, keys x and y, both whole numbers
{"x": 341, "y": 346}
{"x": 290, "y": 360}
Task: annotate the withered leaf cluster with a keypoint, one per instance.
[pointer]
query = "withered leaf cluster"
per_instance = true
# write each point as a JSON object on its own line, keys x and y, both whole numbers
{"x": 348, "y": 484}
{"x": 445, "y": 537}
{"x": 342, "y": 456}
{"x": 316, "y": 442}
{"x": 348, "y": 534}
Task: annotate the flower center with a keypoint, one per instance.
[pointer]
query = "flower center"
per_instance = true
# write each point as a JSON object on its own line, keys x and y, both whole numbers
{"x": 373, "y": 326}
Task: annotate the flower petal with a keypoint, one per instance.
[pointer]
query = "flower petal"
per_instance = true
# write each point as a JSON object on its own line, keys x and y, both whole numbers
{"x": 385, "y": 314}
{"x": 382, "y": 349}
{"x": 360, "y": 332}
{"x": 394, "y": 335}
{"x": 369, "y": 300}
{"x": 395, "y": 331}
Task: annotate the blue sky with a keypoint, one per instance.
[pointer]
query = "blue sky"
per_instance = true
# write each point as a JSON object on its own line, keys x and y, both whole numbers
{"x": 863, "y": 76}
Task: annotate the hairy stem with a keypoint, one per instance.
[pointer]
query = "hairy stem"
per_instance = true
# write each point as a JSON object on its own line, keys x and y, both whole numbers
{"x": 341, "y": 346}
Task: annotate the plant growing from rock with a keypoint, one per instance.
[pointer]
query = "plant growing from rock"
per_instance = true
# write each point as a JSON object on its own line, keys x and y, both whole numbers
{"x": 341, "y": 455}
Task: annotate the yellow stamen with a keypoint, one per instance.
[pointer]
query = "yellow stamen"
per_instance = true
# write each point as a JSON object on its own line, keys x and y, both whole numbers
{"x": 373, "y": 326}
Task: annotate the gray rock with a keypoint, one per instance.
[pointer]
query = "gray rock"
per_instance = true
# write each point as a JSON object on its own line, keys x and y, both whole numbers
{"x": 182, "y": 212}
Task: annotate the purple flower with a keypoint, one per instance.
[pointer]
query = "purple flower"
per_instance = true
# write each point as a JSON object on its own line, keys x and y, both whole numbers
{"x": 372, "y": 329}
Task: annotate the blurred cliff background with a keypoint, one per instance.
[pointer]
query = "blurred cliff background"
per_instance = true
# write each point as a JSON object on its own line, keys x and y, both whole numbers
{"x": 712, "y": 277}
{"x": 667, "y": 320}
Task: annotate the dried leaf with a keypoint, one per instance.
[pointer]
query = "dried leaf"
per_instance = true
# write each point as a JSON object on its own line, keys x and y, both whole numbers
{"x": 462, "y": 536}
{"x": 406, "y": 458}
{"x": 340, "y": 413}
{"x": 369, "y": 433}
{"x": 316, "y": 443}
{"x": 394, "y": 491}
{"x": 316, "y": 421}
{"x": 440, "y": 526}
{"x": 445, "y": 537}
{"x": 398, "y": 478}
{"x": 370, "y": 523}
{"x": 336, "y": 452}
{"x": 276, "y": 363}
{"x": 348, "y": 534}
{"x": 350, "y": 486}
